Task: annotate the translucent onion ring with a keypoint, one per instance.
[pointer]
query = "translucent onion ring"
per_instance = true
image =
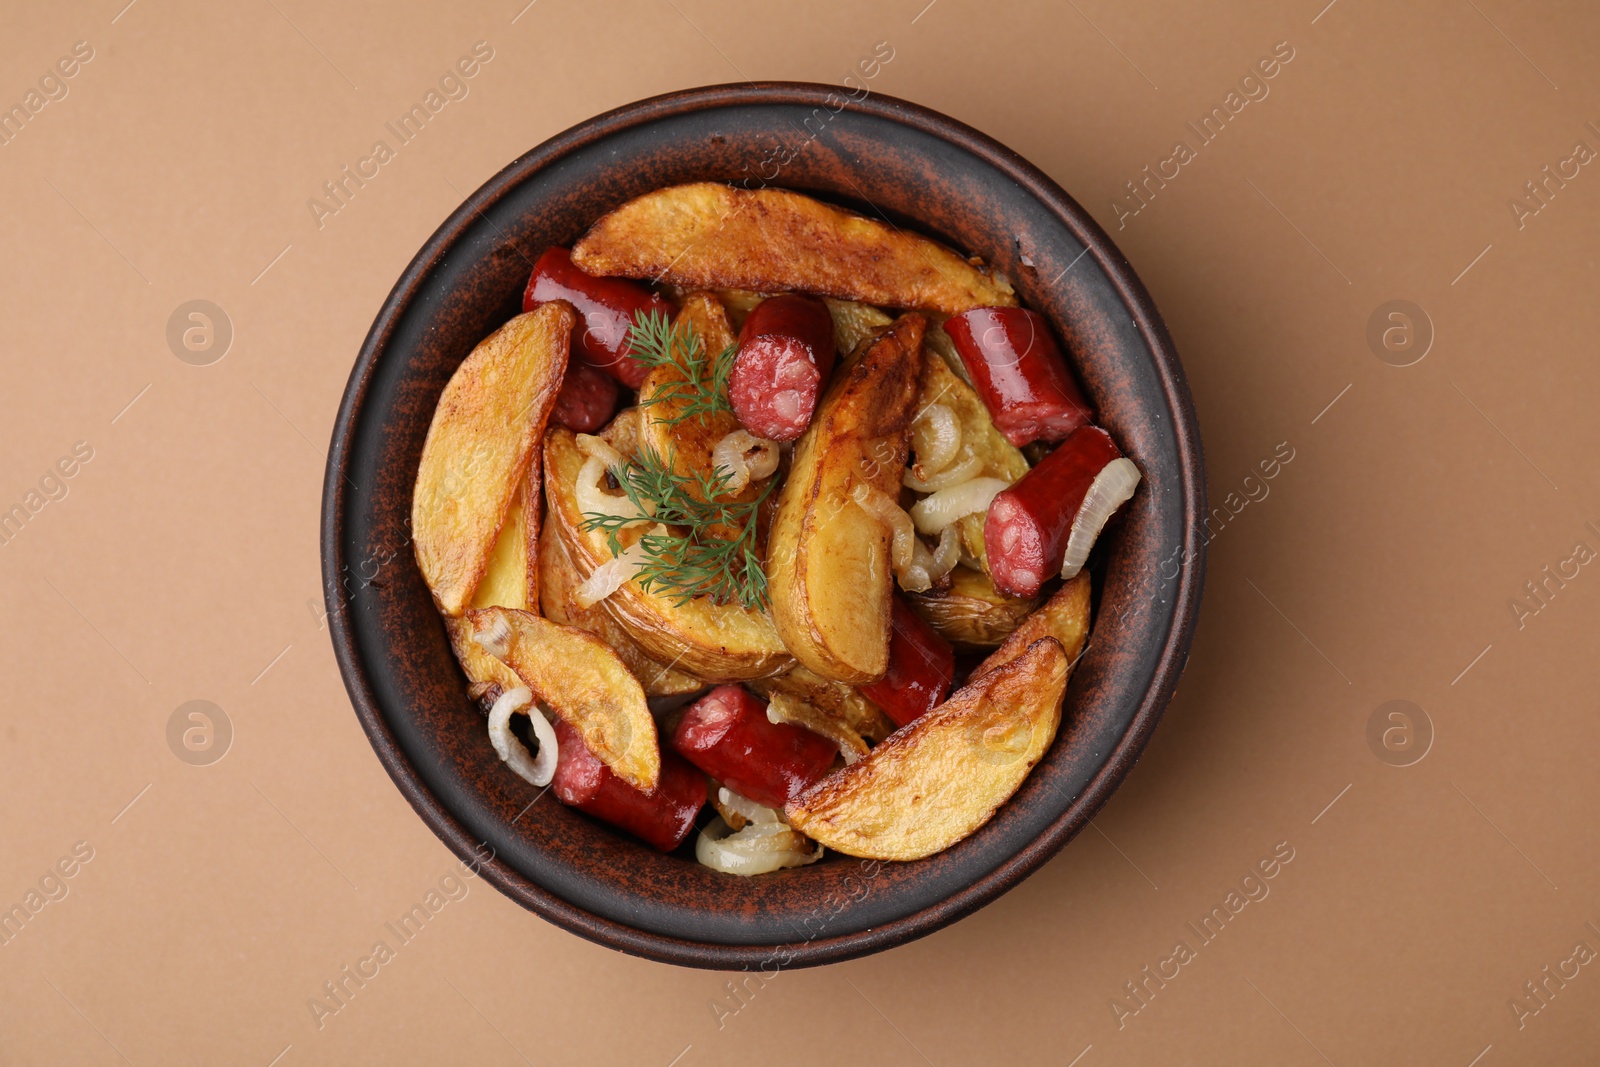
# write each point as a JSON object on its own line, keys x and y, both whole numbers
{"x": 756, "y": 849}
{"x": 936, "y": 438}
{"x": 538, "y": 770}
{"x": 1111, "y": 489}
{"x": 877, "y": 504}
{"x": 966, "y": 468}
{"x": 610, "y": 575}
{"x": 745, "y": 457}
{"x": 933, "y": 513}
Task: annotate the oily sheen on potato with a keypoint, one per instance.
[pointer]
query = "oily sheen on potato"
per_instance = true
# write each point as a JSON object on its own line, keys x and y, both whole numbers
{"x": 970, "y": 613}
{"x": 574, "y": 674}
{"x": 706, "y": 235}
{"x": 508, "y": 581}
{"x": 1065, "y": 617}
{"x": 559, "y": 582}
{"x": 937, "y": 780}
{"x": 716, "y": 642}
{"x": 828, "y": 566}
{"x": 480, "y": 446}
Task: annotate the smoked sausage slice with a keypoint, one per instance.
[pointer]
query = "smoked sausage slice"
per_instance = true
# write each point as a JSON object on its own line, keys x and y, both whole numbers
{"x": 785, "y": 355}
{"x": 1015, "y": 365}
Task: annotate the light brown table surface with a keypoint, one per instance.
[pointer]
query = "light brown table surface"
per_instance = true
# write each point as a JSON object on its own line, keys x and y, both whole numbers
{"x": 182, "y": 562}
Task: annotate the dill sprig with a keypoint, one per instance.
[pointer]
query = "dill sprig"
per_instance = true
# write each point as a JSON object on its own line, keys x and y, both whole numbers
{"x": 691, "y": 564}
{"x": 703, "y": 388}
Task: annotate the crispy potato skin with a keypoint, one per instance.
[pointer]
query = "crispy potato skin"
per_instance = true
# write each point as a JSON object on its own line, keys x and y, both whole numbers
{"x": 828, "y": 568}
{"x": 971, "y": 614}
{"x": 936, "y": 781}
{"x": 1001, "y": 459}
{"x": 718, "y": 644}
{"x": 574, "y": 674}
{"x": 483, "y": 438}
{"x": 560, "y": 579}
{"x": 1065, "y": 617}
{"x": 487, "y": 675}
{"x": 706, "y": 235}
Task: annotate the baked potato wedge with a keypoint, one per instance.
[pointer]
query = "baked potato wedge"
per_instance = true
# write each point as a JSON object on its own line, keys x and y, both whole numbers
{"x": 971, "y": 614}
{"x": 937, "y": 780}
{"x": 487, "y": 676}
{"x": 1065, "y": 617}
{"x": 559, "y": 579}
{"x": 844, "y": 704}
{"x": 990, "y": 456}
{"x": 718, "y": 643}
{"x": 482, "y": 441}
{"x": 574, "y": 674}
{"x": 706, "y": 235}
{"x": 828, "y": 567}
{"x": 508, "y": 582}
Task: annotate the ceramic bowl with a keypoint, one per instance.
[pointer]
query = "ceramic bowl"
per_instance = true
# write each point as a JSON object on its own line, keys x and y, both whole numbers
{"x": 885, "y": 158}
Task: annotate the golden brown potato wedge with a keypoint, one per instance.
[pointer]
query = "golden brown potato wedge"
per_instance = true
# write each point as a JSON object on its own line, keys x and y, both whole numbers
{"x": 723, "y": 643}
{"x": 1065, "y": 617}
{"x": 937, "y": 780}
{"x": 575, "y": 675}
{"x": 842, "y": 703}
{"x": 508, "y": 583}
{"x": 488, "y": 677}
{"x": 707, "y": 235}
{"x": 971, "y": 614}
{"x": 828, "y": 568}
{"x": 559, "y": 579}
{"x": 484, "y": 436}
{"x": 999, "y": 457}
{"x": 510, "y": 579}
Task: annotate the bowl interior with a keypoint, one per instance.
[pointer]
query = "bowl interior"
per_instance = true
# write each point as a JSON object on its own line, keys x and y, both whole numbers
{"x": 882, "y": 157}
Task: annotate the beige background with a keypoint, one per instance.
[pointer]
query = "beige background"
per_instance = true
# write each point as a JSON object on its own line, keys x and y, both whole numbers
{"x": 182, "y": 564}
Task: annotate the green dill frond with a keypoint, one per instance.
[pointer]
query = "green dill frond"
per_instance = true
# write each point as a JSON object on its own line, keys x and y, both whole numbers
{"x": 702, "y": 391}
{"x": 689, "y": 564}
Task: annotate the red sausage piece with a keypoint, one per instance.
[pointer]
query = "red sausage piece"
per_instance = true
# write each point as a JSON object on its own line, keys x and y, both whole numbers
{"x": 1016, "y": 367}
{"x": 605, "y": 306}
{"x": 727, "y": 734}
{"x": 1025, "y": 535}
{"x": 921, "y": 667}
{"x": 586, "y": 400}
{"x": 785, "y": 355}
{"x": 663, "y": 817}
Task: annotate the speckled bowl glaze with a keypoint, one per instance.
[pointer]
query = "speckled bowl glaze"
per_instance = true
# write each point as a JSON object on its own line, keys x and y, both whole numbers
{"x": 885, "y": 158}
